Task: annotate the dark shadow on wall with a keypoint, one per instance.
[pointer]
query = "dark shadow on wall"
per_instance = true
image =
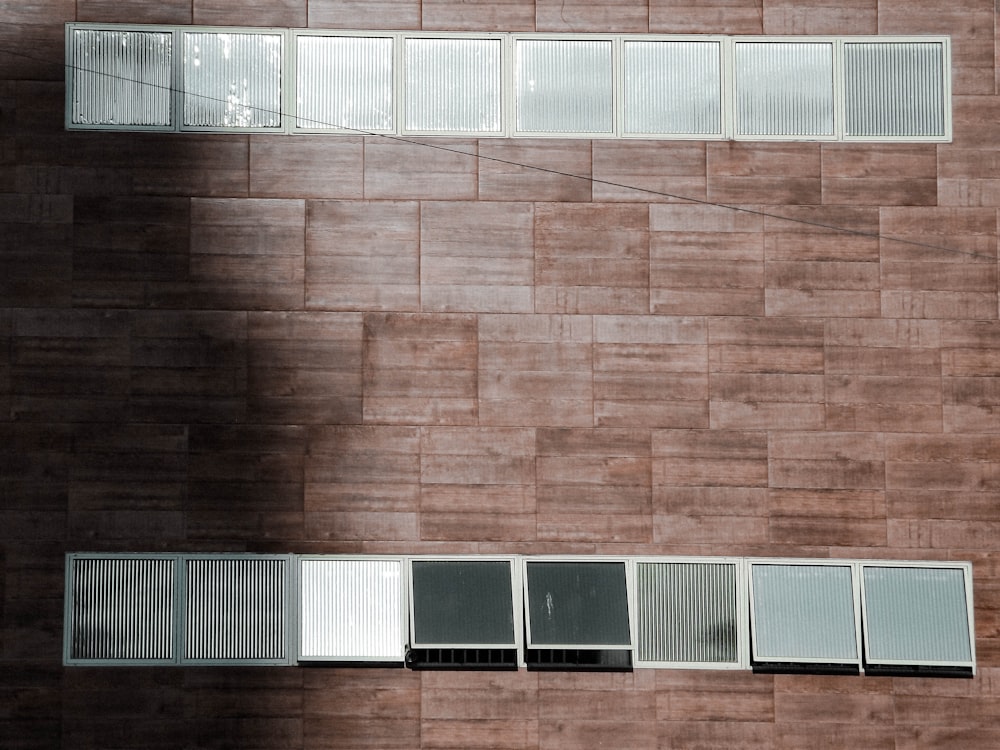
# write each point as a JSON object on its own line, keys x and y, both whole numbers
{"x": 148, "y": 402}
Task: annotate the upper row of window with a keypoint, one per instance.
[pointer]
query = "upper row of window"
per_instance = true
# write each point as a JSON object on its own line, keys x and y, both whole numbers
{"x": 267, "y": 80}
{"x": 507, "y": 611}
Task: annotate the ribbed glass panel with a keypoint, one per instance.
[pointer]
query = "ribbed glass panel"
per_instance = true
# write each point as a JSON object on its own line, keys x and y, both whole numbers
{"x": 673, "y": 87}
{"x": 784, "y": 88}
{"x": 453, "y": 84}
{"x": 344, "y": 82}
{"x": 564, "y": 86}
{"x": 804, "y": 612}
{"x": 232, "y": 80}
{"x": 687, "y": 612}
{"x": 235, "y": 609}
{"x": 917, "y": 615}
{"x": 350, "y": 610}
{"x": 894, "y": 89}
{"x": 578, "y": 604}
{"x": 121, "y": 77}
{"x": 462, "y": 602}
{"x": 122, "y": 608}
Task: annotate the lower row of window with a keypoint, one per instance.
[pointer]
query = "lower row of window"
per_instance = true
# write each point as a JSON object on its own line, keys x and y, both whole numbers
{"x": 505, "y": 612}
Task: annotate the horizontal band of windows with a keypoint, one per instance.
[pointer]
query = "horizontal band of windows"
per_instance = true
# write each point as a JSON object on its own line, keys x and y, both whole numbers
{"x": 503, "y": 612}
{"x": 223, "y": 79}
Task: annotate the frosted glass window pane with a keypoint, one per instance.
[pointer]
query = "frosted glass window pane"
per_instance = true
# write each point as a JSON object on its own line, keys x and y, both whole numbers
{"x": 578, "y": 604}
{"x": 894, "y": 89}
{"x": 122, "y": 609}
{"x": 350, "y": 610}
{"x": 344, "y": 82}
{"x": 453, "y": 84}
{"x": 673, "y": 87}
{"x": 687, "y": 612}
{"x": 804, "y": 612}
{"x": 564, "y": 86}
{"x": 784, "y": 88}
{"x": 916, "y": 615}
{"x": 235, "y": 609}
{"x": 121, "y": 77}
{"x": 232, "y": 80}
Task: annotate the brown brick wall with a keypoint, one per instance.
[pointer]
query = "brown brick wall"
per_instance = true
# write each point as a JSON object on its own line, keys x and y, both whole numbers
{"x": 321, "y": 344}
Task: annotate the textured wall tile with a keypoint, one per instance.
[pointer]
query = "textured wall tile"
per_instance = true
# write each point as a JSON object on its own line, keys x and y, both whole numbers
{"x": 535, "y": 170}
{"x": 306, "y": 166}
{"x": 476, "y": 257}
{"x": 350, "y": 265}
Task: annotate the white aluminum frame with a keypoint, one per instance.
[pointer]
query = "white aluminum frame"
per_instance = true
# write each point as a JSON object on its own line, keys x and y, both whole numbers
{"x": 741, "y": 603}
{"x": 807, "y": 562}
{"x": 966, "y": 569}
{"x": 293, "y": 75}
{"x": 508, "y": 103}
{"x": 299, "y": 622}
{"x": 625, "y": 561}
{"x": 283, "y": 78}
{"x": 724, "y": 83}
{"x": 946, "y": 93}
{"x": 516, "y": 603}
{"x": 68, "y": 602}
{"x": 72, "y": 67}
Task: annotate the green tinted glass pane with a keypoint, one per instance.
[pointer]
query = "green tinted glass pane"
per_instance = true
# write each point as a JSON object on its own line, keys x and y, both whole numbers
{"x": 462, "y": 602}
{"x": 578, "y": 604}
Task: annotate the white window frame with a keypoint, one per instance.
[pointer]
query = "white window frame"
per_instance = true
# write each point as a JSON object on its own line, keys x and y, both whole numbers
{"x": 946, "y": 94}
{"x": 293, "y": 74}
{"x": 725, "y": 85}
{"x": 615, "y": 55}
{"x": 852, "y": 566}
{"x": 508, "y": 98}
{"x": 287, "y": 614}
{"x": 836, "y": 86}
{"x": 71, "y": 69}
{"x": 628, "y": 565}
{"x": 298, "y": 621}
{"x": 741, "y": 605}
{"x": 69, "y": 602}
{"x": 966, "y": 569}
{"x": 506, "y": 102}
{"x": 517, "y": 612}
{"x": 283, "y": 79}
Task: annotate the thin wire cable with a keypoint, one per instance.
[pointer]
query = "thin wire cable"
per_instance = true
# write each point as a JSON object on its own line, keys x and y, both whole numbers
{"x": 547, "y": 170}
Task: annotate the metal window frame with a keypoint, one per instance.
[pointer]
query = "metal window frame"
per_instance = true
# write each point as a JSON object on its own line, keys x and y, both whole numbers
{"x": 504, "y": 88}
{"x": 69, "y": 602}
{"x": 293, "y": 75}
{"x": 966, "y": 569}
{"x": 299, "y": 621}
{"x": 724, "y": 86}
{"x": 628, "y": 567}
{"x": 517, "y": 612}
{"x": 289, "y": 75}
{"x": 741, "y": 605}
{"x": 287, "y": 613}
{"x": 852, "y": 566}
{"x": 946, "y": 91}
{"x": 836, "y": 87}
{"x": 614, "y": 74}
{"x": 71, "y": 70}
{"x": 181, "y": 89}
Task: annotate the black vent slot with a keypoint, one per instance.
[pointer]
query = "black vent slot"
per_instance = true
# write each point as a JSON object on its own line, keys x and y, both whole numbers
{"x": 579, "y": 659}
{"x": 462, "y": 658}
{"x": 916, "y": 670}
{"x": 781, "y": 667}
